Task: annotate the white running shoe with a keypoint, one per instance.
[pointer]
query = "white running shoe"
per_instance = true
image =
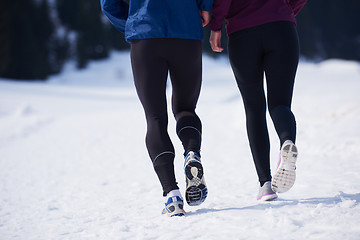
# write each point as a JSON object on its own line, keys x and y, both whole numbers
{"x": 196, "y": 190}
{"x": 174, "y": 205}
{"x": 266, "y": 193}
{"x": 285, "y": 175}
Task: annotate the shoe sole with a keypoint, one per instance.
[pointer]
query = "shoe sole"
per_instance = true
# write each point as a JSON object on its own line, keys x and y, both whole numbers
{"x": 176, "y": 213}
{"x": 285, "y": 175}
{"x": 196, "y": 190}
{"x": 268, "y": 197}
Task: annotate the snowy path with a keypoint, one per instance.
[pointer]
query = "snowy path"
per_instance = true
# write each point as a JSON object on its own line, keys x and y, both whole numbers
{"x": 73, "y": 163}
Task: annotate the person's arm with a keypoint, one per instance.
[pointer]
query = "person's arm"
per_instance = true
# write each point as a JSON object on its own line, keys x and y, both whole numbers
{"x": 205, "y": 5}
{"x": 204, "y": 10}
{"x": 116, "y": 11}
{"x": 215, "y": 41}
{"x": 297, "y": 5}
{"x": 205, "y": 17}
{"x": 218, "y": 14}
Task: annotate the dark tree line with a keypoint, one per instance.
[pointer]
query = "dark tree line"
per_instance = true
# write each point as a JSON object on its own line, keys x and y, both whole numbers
{"x": 25, "y": 30}
{"x": 330, "y": 29}
{"x": 37, "y": 37}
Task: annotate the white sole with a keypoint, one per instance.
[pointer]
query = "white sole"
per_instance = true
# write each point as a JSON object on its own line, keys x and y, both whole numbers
{"x": 177, "y": 212}
{"x": 285, "y": 175}
{"x": 268, "y": 197}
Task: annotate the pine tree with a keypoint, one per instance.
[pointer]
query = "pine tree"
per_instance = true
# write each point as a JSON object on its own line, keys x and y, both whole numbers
{"x": 330, "y": 30}
{"x": 25, "y": 31}
{"x": 84, "y": 17}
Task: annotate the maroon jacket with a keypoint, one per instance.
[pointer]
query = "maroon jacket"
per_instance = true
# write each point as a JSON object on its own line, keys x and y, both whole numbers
{"x": 241, "y": 14}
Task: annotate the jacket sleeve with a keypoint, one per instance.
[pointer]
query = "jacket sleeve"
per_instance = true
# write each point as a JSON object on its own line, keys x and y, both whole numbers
{"x": 297, "y": 5}
{"x": 116, "y": 11}
{"x": 219, "y": 12}
{"x": 205, "y": 5}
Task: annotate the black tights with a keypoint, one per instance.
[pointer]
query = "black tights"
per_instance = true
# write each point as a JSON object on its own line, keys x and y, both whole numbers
{"x": 151, "y": 61}
{"x": 272, "y": 49}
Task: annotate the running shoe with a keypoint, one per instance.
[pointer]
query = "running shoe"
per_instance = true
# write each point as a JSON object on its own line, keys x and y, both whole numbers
{"x": 266, "y": 193}
{"x": 174, "y": 206}
{"x": 285, "y": 175}
{"x": 196, "y": 190}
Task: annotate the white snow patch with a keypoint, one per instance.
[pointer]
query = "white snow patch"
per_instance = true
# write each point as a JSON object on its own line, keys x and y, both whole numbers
{"x": 73, "y": 163}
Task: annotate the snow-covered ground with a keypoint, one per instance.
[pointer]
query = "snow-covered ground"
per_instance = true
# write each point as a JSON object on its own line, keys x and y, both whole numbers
{"x": 73, "y": 163}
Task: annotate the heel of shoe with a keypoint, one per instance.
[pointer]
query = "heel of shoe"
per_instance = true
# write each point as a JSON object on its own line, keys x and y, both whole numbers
{"x": 174, "y": 207}
{"x": 195, "y": 195}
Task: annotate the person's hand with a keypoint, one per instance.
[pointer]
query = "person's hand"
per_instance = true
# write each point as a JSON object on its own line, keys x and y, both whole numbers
{"x": 205, "y": 17}
{"x": 215, "y": 41}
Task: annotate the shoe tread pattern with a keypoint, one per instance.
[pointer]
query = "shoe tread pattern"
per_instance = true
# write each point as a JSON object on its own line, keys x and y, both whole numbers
{"x": 285, "y": 175}
{"x": 196, "y": 190}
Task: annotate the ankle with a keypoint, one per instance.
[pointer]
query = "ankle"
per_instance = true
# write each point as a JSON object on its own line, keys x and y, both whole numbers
{"x": 174, "y": 193}
{"x": 263, "y": 182}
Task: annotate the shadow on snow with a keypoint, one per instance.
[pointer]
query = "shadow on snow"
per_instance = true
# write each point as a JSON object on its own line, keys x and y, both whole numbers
{"x": 278, "y": 203}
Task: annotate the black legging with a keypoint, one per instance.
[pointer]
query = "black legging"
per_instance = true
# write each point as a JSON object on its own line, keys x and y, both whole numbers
{"x": 272, "y": 48}
{"x": 151, "y": 61}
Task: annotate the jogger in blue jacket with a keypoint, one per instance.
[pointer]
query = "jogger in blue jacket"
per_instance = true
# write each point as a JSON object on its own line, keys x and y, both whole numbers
{"x": 144, "y": 19}
{"x": 166, "y": 38}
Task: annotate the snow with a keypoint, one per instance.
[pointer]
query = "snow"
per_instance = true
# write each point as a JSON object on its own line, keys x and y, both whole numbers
{"x": 73, "y": 163}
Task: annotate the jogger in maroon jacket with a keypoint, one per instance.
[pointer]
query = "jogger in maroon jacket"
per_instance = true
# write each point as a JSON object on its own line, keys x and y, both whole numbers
{"x": 263, "y": 39}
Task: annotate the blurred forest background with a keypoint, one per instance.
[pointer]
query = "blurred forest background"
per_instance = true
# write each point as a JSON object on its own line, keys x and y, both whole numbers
{"x": 38, "y": 36}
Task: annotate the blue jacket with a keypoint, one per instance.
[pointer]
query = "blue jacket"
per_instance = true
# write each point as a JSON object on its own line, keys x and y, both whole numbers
{"x": 145, "y": 19}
